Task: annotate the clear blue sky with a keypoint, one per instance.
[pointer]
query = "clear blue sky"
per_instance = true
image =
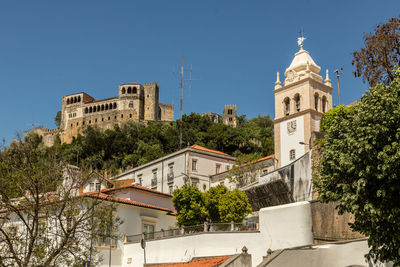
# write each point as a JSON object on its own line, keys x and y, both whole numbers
{"x": 53, "y": 48}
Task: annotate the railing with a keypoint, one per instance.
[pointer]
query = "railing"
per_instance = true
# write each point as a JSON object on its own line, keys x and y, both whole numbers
{"x": 106, "y": 241}
{"x": 194, "y": 229}
{"x": 170, "y": 177}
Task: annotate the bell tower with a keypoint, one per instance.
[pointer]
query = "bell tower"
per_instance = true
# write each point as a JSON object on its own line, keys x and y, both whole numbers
{"x": 300, "y": 103}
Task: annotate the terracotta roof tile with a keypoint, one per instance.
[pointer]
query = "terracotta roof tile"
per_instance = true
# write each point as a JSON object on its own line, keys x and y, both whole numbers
{"x": 130, "y": 83}
{"x": 136, "y": 186}
{"x": 200, "y": 262}
{"x": 123, "y": 183}
{"x": 126, "y": 201}
{"x": 208, "y": 150}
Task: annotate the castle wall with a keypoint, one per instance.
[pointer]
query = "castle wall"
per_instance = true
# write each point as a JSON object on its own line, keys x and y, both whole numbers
{"x": 134, "y": 102}
{"x": 167, "y": 112}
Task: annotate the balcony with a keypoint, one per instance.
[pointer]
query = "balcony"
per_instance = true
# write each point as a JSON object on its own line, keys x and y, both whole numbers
{"x": 154, "y": 182}
{"x": 170, "y": 177}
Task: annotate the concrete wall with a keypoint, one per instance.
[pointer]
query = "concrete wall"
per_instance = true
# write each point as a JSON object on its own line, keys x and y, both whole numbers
{"x": 297, "y": 175}
{"x": 291, "y": 138}
{"x": 282, "y": 226}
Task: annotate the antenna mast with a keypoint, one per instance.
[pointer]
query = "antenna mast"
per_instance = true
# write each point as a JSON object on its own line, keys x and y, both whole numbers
{"x": 181, "y": 122}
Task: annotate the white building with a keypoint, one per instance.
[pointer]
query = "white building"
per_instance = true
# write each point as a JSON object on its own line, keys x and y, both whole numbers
{"x": 192, "y": 165}
{"x": 249, "y": 173}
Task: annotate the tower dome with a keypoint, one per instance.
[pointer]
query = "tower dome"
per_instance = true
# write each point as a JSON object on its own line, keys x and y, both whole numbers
{"x": 302, "y": 66}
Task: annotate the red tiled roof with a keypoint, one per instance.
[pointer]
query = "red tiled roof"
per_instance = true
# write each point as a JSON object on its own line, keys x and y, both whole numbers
{"x": 123, "y": 183}
{"x": 253, "y": 162}
{"x": 126, "y": 201}
{"x": 135, "y": 186}
{"x": 208, "y": 150}
{"x": 101, "y": 176}
{"x": 130, "y": 83}
{"x": 201, "y": 262}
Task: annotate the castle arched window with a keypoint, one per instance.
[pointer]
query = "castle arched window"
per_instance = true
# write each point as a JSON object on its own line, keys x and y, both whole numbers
{"x": 90, "y": 110}
{"x": 131, "y": 104}
{"x": 86, "y": 110}
{"x": 129, "y": 90}
{"x": 106, "y": 107}
{"x": 94, "y": 109}
{"x": 297, "y": 101}
{"x": 75, "y": 99}
{"x": 316, "y": 99}
{"x": 67, "y": 101}
{"x": 102, "y": 107}
{"x": 123, "y": 90}
{"x": 287, "y": 105}
{"x": 98, "y": 108}
{"x": 114, "y": 105}
{"x": 134, "y": 90}
{"x": 110, "y": 106}
{"x": 79, "y": 98}
{"x": 324, "y": 104}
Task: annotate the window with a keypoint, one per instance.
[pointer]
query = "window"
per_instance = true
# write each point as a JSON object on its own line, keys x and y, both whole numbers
{"x": 129, "y": 90}
{"x": 155, "y": 174}
{"x": 287, "y": 106}
{"x": 204, "y": 187}
{"x": 123, "y": 90}
{"x": 292, "y": 154}
{"x": 91, "y": 187}
{"x": 122, "y": 116}
{"x": 316, "y": 101}
{"x": 102, "y": 119}
{"x": 148, "y": 230}
{"x": 228, "y": 167}
{"x": 217, "y": 168}
{"x": 140, "y": 180}
{"x": 130, "y": 115}
{"x": 114, "y": 105}
{"x": 130, "y": 104}
{"x": 98, "y": 186}
{"x": 86, "y": 110}
{"x": 297, "y": 101}
{"x": 171, "y": 169}
{"x": 230, "y": 111}
{"x": 83, "y": 123}
{"x": 171, "y": 189}
{"x": 108, "y": 118}
{"x": 230, "y": 119}
{"x": 194, "y": 164}
{"x": 194, "y": 184}
{"x": 323, "y": 104}
{"x": 134, "y": 90}
{"x": 90, "y": 121}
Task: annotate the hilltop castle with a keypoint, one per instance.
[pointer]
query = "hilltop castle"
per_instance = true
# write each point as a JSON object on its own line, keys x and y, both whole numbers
{"x": 134, "y": 102}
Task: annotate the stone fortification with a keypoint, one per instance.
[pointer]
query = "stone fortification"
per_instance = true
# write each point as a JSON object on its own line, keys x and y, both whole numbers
{"x": 134, "y": 102}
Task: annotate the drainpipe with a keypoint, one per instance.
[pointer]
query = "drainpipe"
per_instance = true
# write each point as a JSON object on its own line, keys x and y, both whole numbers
{"x": 162, "y": 176}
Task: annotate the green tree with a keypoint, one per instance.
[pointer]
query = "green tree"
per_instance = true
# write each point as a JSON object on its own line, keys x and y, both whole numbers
{"x": 42, "y": 217}
{"x": 212, "y": 200}
{"x": 380, "y": 55}
{"x": 189, "y": 204}
{"x": 57, "y": 119}
{"x": 360, "y": 168}
{"x": 329, "y": 117}
{"x": 234, "y": 206}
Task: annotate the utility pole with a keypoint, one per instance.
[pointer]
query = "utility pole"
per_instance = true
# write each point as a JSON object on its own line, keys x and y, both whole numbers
{"x": 338, "y": 78}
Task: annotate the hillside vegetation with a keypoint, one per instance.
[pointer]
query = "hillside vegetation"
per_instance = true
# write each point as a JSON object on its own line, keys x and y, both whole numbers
{"x": 132, "y": 144}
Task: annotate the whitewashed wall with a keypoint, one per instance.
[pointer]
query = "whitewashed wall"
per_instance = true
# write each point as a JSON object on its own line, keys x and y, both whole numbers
{"x": 291, "y": 140}
{"x": 282, "y": 226}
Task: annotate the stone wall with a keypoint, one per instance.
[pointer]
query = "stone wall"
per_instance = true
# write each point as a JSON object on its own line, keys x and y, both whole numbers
{"x": 328, "y": 225}
{"x": 167, "y": 112}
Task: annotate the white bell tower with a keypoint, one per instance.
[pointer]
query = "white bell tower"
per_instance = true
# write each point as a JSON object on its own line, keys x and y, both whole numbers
{"x": 299, "y": 106}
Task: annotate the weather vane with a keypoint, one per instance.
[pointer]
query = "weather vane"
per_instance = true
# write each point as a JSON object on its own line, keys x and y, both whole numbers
{"x": 301, "y": 39}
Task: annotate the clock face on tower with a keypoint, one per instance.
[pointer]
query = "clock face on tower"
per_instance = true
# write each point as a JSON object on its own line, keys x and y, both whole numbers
{"x": 291, "y": 126}
{"x": 291, "y": 76}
